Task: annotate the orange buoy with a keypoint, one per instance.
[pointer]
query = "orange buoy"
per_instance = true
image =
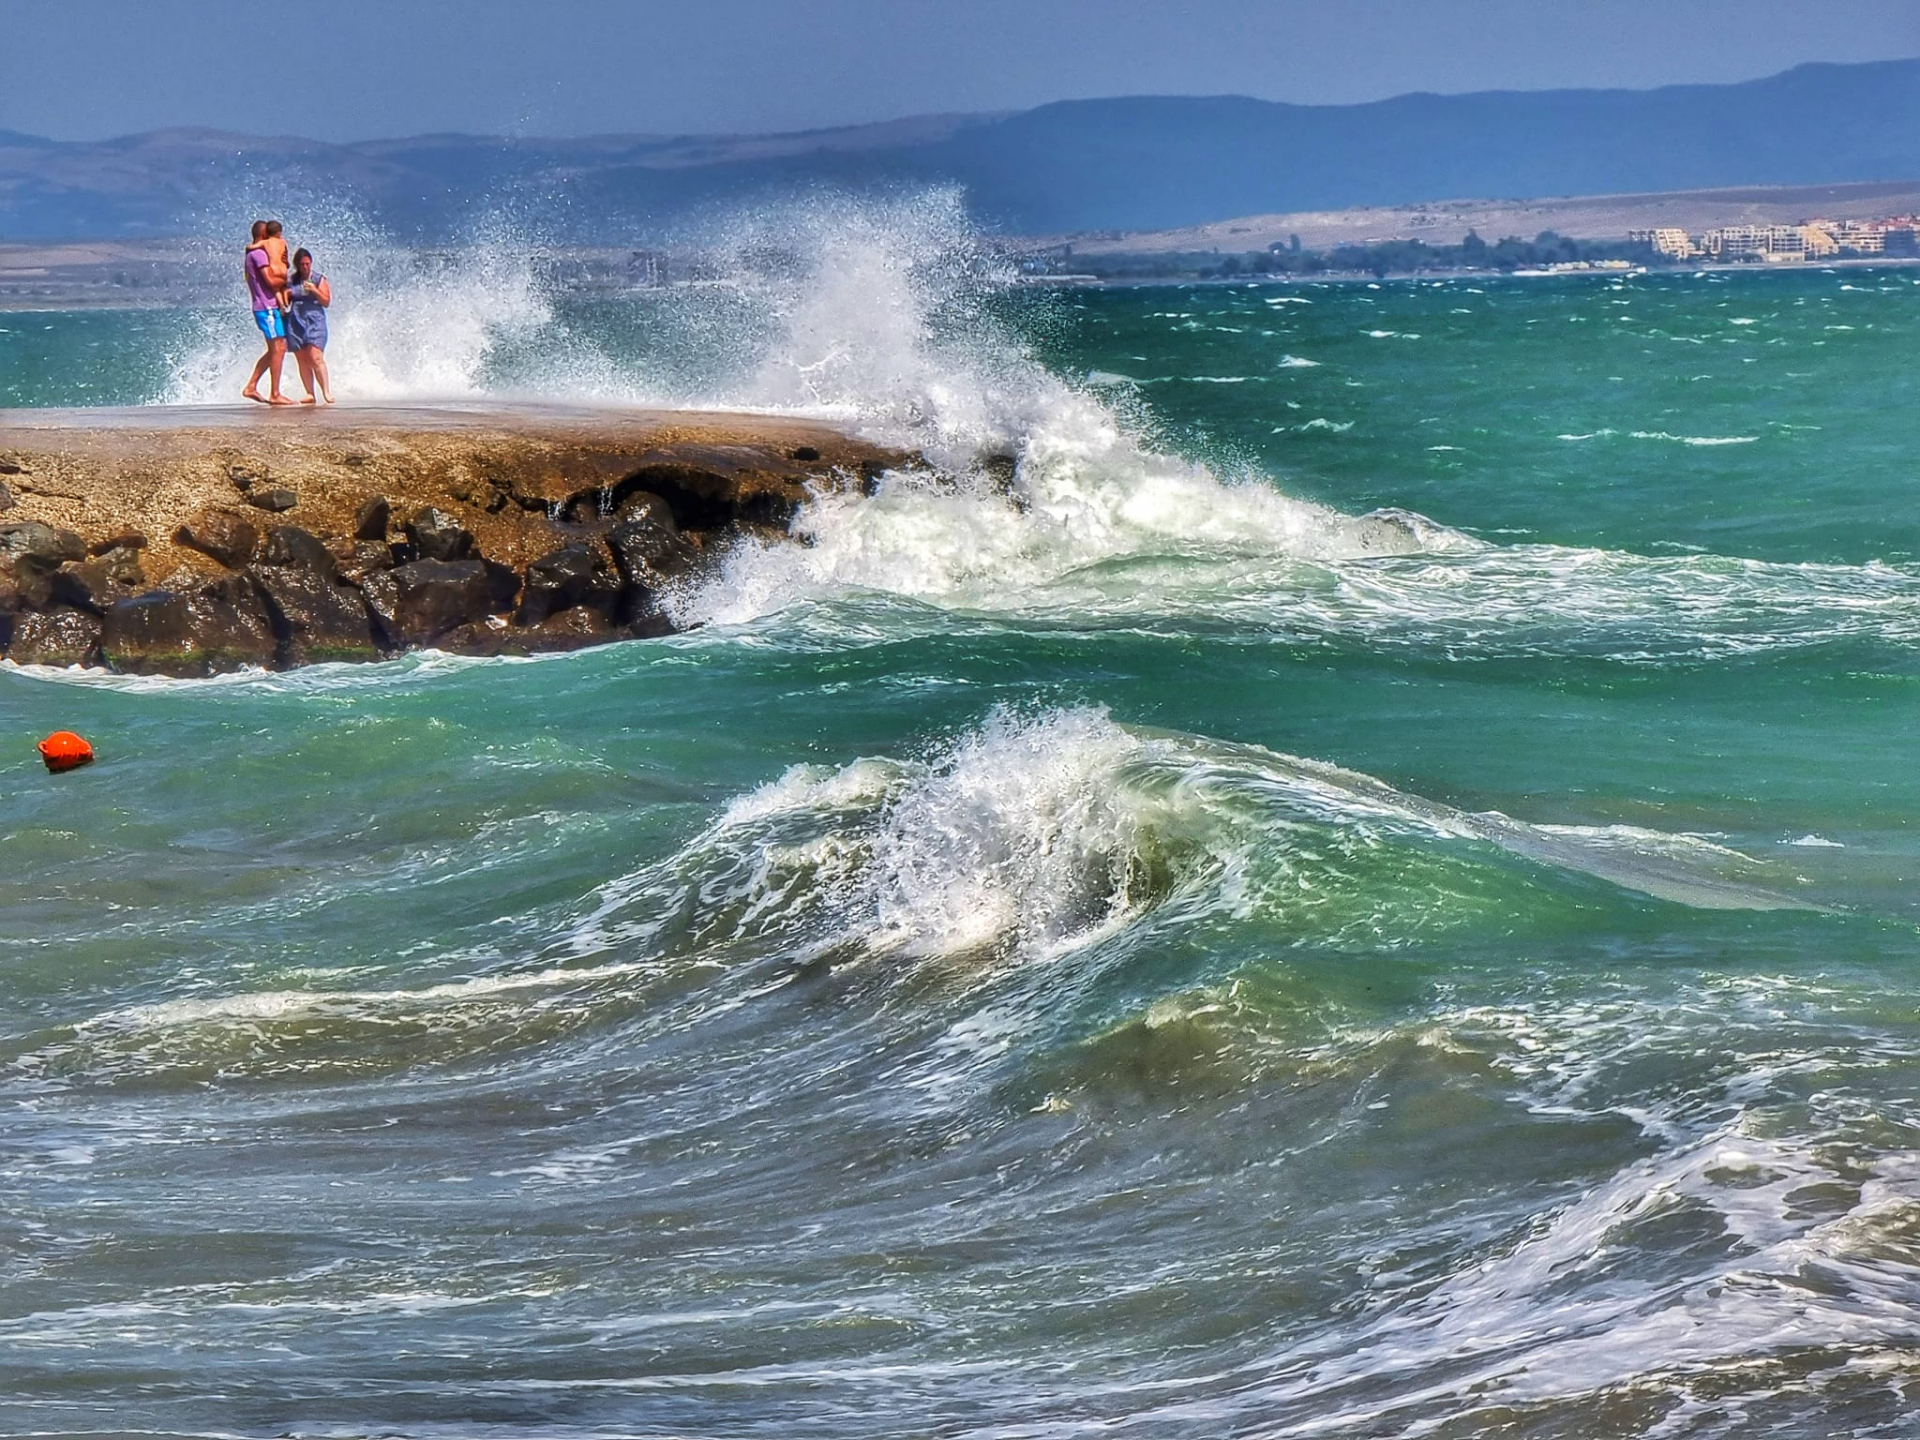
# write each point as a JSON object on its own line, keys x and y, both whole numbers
{"x": 64, "y": 750}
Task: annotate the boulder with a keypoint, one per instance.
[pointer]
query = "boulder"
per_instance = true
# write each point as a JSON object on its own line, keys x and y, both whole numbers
{"x": 491, "y": 636}
{"x": 503, "y": 586}
{"x": 222, "y": 535}
{"x": 650, "y": 553}
{"x": 436, "y": 535}
{"x": 221, "y": 627}
{"x": 416, "y": 603}
{"x": 277, "y": 499}
{"x": 314, "y": 617}
{"x": 370, "y": 521}
{"x": 30, "y": 553}
{"x": 564, "y": 579}
{"x": 59, "y": 636}
{"x": 97, "y": 584}
{"x": 289, "y": 545}
{"x": 573, "y": 629}
{"x": 7, "y": 502}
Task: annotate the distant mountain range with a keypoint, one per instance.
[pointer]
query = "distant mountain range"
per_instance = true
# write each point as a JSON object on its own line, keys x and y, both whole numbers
{"x": 1145, "y": 163}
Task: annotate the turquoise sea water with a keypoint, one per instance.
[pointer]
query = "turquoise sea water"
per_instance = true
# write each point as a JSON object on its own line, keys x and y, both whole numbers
{"x": 1151, "y": 953}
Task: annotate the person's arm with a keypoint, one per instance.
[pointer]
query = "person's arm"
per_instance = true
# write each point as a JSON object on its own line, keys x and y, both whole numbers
{"x": 321, "y": 291}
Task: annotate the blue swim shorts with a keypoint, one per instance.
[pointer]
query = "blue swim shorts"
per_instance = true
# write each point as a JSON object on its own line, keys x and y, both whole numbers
{"x": 272, "y": 324}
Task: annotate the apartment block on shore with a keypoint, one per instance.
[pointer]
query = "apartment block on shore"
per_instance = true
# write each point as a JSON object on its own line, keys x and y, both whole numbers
{"x": 1788, "y": 244}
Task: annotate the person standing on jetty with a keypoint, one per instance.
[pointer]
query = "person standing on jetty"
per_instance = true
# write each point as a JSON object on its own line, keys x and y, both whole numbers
{"x": 308, "y": 296}
{"x": 266, "y": 270}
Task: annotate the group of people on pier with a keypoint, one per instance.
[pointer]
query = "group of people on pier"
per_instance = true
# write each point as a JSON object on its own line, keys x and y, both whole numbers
{"x": 290, "y": 300}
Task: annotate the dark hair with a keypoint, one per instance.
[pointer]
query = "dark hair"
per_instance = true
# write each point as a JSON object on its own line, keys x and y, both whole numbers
{"x": 302, "y": 254}
{"x": 259, "y": 229}
{"x": 273, "y": 227}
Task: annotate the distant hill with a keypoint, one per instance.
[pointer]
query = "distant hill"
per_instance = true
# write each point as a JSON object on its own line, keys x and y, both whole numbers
{"x": 1147, "y": 163}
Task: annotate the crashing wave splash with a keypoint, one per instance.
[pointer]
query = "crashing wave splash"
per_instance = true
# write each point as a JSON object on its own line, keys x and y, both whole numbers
{"x": 1025, "y": 841}
{"x": 1048, "y": 499}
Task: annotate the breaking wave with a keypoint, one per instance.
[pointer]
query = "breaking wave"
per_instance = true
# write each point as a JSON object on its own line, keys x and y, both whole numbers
{"x": 1029, "y": 839}
{"x": 1046, "y": 497}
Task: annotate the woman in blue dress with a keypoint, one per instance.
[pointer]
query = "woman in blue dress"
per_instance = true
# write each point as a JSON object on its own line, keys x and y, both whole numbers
{"x": 308, "y": 296}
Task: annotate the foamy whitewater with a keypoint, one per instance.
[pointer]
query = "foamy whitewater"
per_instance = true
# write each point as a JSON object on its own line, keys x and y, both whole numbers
{"x": 1336, "y": 863}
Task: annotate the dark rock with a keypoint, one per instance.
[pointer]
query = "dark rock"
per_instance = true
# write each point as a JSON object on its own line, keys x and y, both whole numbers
{"x": 31, "y": 539}
{"x": 30, "y": 553}
{"x": 370, "y": 521}
{"x": 573, "y": 629}
{"x": 314, "y": 617}
{"x": 650, "y": 625}
{"x": 60, "y": 636}
{"x": 491, "y": 636}
{"x": 648, "y": 547}
{"x": 122, "y": 564}
{"x": 436, "y": 535}
{"x": 362, "y": 558}
{"x": 7, "y": 502}
{"x": 503, "y": 586}
{"x": 98, "y": 584}
{"x": 568, "y": 577}
{"x": 645, "y": 505}
{"x": 243, "y": 479}
{"x": 221, "y": 534}
{"x": 806, "y": 453}
{"x": 650, "y": 553}
{"x": 290, "y": 545}
{"x": 277, "y": 499}
{"x": 420, "y": 601}
{"x": 164, "y": 632}
{"x": 124, "y": 540}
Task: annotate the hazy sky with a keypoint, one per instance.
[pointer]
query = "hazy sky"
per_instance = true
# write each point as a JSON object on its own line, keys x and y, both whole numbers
{"x": 354, "y": 69}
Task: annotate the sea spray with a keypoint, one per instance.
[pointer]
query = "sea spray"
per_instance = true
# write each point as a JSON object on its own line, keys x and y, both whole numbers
{"x": 409, "y": 324}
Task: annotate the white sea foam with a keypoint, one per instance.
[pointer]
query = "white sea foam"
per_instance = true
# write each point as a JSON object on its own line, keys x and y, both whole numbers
{"x": 1694, "y": 439}
{"x": 1028, "y": 839}
{"x": 1046, "y": 495}
{"x": 1808, "y": 1256}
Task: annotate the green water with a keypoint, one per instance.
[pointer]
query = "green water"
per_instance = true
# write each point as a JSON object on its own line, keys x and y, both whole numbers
{"x": 1128, "y": 957}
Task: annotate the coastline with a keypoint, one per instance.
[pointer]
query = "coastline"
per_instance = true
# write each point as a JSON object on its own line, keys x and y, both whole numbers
{"x": 1350, "y": 277}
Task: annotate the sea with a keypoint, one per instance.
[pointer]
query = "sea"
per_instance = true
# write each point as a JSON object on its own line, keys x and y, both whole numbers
{"x": 1340, "y": 863}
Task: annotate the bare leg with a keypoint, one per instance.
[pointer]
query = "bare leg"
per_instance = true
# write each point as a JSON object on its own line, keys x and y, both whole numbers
{"x": 319, "y": 364}
{"x": 303, "y": 358}
{"x": 252, "y": 392}
{"x": 276, "y": 357}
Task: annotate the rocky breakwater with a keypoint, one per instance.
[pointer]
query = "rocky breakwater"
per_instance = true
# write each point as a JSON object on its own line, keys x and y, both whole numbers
{"x": 198, "y": 540}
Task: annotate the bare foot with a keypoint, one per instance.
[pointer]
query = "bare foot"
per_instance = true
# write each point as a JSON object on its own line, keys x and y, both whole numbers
{"x": 280, "y": 400}
{"x": 329, "y": 399}
{"x": 307, "y": 401}
{"x": 255, "y": 396}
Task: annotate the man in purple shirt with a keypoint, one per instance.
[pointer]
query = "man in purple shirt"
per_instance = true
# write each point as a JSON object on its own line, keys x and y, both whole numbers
{"x": 266, "y": 284}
